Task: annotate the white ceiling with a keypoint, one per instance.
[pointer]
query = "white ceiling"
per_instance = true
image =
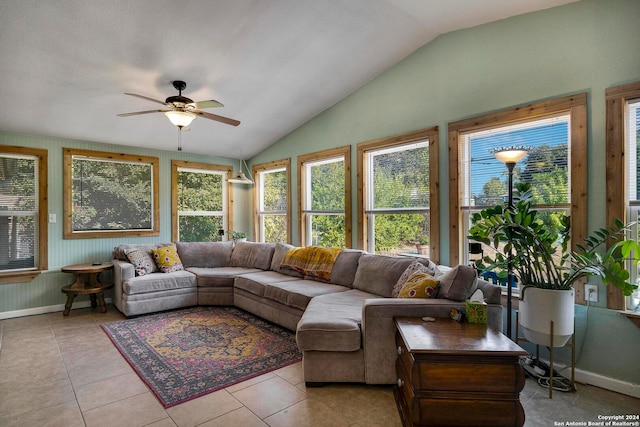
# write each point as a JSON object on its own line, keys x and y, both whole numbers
{"x": 274, "y": 64}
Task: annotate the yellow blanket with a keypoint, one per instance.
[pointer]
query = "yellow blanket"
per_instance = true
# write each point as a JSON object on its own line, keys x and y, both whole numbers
{"x": 312, "y": 261}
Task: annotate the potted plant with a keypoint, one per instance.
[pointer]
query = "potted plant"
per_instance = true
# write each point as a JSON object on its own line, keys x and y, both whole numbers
{"x": 543, "y": 263}
{"x": 422, "y": 244}
{"x": 237, "y": 236}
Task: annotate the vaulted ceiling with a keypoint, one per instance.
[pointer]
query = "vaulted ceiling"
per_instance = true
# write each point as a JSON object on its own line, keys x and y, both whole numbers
{"x": 274, "y": 64}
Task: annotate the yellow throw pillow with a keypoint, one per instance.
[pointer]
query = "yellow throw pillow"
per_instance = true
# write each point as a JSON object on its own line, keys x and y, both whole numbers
{"x": 167, "y": 259}
{"x": 419, "y": 285}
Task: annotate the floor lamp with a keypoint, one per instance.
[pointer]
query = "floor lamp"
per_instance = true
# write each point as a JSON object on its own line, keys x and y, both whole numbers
{"x": 510, "y": 156}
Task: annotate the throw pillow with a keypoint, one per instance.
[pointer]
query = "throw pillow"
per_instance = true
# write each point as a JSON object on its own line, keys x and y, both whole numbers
{"x": 458, "y": 283}
{"x": 419, "y": 285}
{"x": 167, "y": 259}
{"x": 414, "y": 267}
{"x": 142, "y": 261}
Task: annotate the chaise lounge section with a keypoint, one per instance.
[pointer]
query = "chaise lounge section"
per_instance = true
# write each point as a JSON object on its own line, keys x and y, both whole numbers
{"x": 344, "y": 325}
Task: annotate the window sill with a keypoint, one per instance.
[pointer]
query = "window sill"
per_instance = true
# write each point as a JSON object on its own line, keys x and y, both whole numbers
{"x": 634, "y": 317}
{"x": 25, "y": 276}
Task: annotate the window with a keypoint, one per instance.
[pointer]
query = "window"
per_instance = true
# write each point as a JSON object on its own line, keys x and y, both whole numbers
{"x": 272, "y": 201}
{"x": 200, "y": 201}
{"x": 398, "y": 186}
{"x": 555, "y": 166}
{"x": 23, "y": 213}
{"x": 623, "y": 136}
{"x": 325, "y": 198}
{"x": 110, "y": 195}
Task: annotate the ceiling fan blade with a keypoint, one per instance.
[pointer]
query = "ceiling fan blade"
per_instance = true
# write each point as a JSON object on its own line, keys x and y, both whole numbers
{"x": 146, "y": 97}
{"x": 212, "y": 103}
{"x": 141, "y": 112}
{"x": 217, "y": 118}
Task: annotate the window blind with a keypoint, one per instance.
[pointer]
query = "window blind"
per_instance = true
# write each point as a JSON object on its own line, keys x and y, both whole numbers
{"x": 546, "y": 167}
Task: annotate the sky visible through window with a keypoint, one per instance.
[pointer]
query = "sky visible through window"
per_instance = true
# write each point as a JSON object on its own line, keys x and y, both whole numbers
{"x": 485, "y": 166}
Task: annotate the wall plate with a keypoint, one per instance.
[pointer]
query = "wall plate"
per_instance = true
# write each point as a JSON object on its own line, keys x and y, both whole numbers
{"x": 591, "y": 296}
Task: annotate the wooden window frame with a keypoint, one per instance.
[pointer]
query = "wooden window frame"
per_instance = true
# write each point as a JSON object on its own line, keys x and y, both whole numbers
{"x": 265, "y": 167}
{"x": 430, "y": 134}
{"x": 345, "y": 152}
{"x": 115, "y": 157}
{"x": 43, "y": 213}
{"x": 175, "y": 164}
{"x": 576, "y": 107}
{"x": 616, "y": 167}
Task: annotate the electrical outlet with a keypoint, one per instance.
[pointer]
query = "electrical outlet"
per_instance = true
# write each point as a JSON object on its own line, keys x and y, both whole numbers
{"x": 591, "y": 293}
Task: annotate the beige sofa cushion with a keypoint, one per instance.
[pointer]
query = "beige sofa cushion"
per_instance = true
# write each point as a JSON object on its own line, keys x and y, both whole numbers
{"x": 205, "y": 254}
{"x": 256, "y": 283}
{"x": 278, "y": 255}
{"x": 331, "y": 322}
{"x": 156, "y": 282}
{"x": 458, "y": 283}
{"x": 377, "y": 274}
{"x": 344, "y": 269}
{"x": 252, "y": 255}
{"x": 220, "y": 276}
{"x": 297, "y": 293}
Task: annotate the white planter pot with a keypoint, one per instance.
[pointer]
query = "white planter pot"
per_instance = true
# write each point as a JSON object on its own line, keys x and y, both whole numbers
{"x": 541, "y": 306}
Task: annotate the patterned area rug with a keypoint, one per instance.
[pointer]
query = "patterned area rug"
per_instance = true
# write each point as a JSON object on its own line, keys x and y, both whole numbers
{"x": 188, "y": 353}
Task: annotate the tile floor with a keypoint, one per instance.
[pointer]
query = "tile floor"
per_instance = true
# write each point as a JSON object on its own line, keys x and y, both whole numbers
{"x": 57, "y": 371}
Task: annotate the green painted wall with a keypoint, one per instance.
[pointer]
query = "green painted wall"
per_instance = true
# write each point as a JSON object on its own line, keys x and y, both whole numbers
{"x": 45, "y": 289}
{"x": 581, "y": 47}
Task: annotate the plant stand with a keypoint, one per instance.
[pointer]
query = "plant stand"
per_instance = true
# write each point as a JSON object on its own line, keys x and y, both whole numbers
{"x": 571, "y": 344}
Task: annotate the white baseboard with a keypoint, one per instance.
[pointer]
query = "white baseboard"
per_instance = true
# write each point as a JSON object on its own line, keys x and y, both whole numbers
{"x": 591, "y": 378}
{"x": 46, "y": 309}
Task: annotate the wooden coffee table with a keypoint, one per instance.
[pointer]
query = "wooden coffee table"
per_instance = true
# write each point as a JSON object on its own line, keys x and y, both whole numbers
{"x": 457, "y": 374}
{"x": 86, "y": 285}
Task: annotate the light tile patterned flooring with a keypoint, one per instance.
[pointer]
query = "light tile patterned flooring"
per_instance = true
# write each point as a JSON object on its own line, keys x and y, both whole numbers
{"x": 57, "y": 371}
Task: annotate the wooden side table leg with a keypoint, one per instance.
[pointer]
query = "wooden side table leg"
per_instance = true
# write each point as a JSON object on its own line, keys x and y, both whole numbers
{"x": 94, "y": 303}
{"x": 67, "y": 306}
{"x": 103, "y": 306}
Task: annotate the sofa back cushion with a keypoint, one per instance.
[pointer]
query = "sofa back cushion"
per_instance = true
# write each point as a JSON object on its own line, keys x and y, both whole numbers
{"x": 458, "y": 283}
{"x": 278, "y": 255}
{"x": 344, "y": 269}
{"x": 252, "y": 255}
{"x": 377, "y": 274}
{"x": 205, "y": 254}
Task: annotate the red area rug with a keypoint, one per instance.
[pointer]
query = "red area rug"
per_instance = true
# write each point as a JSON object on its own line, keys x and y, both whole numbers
{"x": 188, "y": 353}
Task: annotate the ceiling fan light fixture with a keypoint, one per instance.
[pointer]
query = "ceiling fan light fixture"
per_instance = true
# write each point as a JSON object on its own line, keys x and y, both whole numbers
{"x": 180, "y": 118}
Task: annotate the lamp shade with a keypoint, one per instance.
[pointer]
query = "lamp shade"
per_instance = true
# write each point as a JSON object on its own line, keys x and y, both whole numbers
{"x": 180, "y": 118}
{"x": 240, "y": 178}
{"x": 510, "y": 154}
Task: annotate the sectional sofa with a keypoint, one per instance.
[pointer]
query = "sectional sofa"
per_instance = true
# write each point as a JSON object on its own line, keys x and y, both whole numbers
{"x": 344, "y": 325}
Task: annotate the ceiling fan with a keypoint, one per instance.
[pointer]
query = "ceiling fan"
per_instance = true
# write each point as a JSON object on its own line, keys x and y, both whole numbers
{"x": 182, "y": 110}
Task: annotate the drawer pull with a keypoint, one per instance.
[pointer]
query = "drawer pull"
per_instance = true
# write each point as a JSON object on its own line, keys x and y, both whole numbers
{"x": 400, "y": 383}
{"x": 399, "y": 351}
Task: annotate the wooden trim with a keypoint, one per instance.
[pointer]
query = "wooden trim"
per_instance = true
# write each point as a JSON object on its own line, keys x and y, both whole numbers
{"x": 616, "y": 166}
{"x": 430, "y": 134}
{"x": 262, "y": 167}
{"x": 343, "y": 152}
{"x": 175, "y": 164}
{"x": 576, "y": 106}
{"x": 43, "y": 214}
{"x": 68, "y": 202}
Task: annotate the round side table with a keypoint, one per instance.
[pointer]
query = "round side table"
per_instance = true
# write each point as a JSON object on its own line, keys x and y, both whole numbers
{"x": 87, "y": 282}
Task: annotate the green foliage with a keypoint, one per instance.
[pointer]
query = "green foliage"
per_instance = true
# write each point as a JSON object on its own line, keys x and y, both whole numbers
{"x": 199, "y": 192}
{"x": 111, "y": 195}
{"x": 540, "y": 255}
